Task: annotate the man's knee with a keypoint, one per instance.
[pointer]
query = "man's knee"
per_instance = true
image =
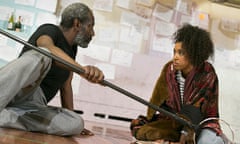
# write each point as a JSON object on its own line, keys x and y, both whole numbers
{"x": 39, "y": 57}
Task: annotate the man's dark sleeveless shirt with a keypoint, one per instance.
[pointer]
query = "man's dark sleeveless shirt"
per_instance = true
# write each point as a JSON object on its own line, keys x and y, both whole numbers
{"x": 56, "y": 76}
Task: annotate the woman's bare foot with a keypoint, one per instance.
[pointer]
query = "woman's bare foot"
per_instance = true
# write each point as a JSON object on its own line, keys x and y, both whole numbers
{"x": 165, "y": 142}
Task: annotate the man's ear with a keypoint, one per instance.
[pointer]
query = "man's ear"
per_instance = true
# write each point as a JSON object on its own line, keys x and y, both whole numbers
{"x": 76, "y": 24}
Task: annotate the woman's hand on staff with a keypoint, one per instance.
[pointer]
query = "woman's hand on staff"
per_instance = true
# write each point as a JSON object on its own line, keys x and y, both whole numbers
{"x": 187, "y": 137}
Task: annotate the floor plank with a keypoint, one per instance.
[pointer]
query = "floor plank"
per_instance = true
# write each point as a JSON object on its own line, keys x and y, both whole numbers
{"x": 103, "y": 134}
{"x": 12, "y": 136}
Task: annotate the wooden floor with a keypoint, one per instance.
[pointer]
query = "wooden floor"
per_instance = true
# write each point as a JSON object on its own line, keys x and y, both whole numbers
{"x": 103, "y": 134}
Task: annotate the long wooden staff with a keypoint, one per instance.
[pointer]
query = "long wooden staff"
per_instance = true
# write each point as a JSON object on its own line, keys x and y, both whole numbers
{"x": 104, "y": 82}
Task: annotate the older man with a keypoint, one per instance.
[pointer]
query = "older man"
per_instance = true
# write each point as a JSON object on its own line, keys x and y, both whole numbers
{"x": 28, "y": 83}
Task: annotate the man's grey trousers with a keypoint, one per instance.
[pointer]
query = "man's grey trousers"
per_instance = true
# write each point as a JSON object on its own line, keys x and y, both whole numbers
{"x": 23, "y": 104}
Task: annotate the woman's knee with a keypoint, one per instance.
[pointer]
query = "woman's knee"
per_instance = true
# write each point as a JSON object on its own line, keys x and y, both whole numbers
{"x": 208, "y": 136}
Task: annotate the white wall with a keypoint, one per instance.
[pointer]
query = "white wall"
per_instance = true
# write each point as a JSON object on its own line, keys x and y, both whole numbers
{"x": 142, "y": 57}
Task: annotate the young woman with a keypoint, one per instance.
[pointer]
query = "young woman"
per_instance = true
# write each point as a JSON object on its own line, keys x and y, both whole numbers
{"x": 188, "y": 87}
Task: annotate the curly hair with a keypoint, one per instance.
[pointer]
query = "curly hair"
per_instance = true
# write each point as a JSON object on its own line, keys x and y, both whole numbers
{"x": 196, "y": 41}
{"x": 76, "y": 10}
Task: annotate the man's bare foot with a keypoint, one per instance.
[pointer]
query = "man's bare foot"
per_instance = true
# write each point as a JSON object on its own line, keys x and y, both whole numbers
{"x": 86, "y": 132}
